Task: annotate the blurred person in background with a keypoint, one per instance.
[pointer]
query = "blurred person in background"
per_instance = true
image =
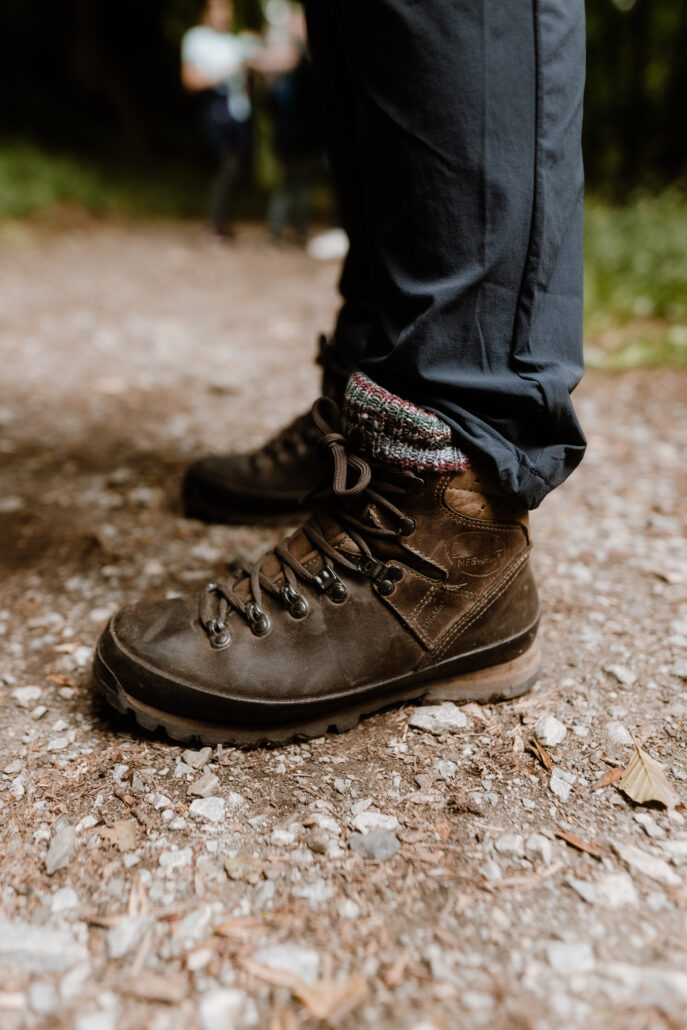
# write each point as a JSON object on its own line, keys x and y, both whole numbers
{"x": 456, "y": 148}
{"x": 296, "y": 117}
{"x": 214, "y": 64}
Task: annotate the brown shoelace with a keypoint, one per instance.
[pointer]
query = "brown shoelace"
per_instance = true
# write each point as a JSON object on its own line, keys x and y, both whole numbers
{"x": 370, "y": 484}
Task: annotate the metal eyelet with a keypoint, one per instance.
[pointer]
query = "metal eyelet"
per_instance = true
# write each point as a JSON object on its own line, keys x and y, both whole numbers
{"x": 386, "y": 583}
{"x": 329, "y": 583}
{"x": 296, "y": 604}
{"x": 259, "y": 622}
{"x": 218, "y": 634}
{"x": 406, "y": 526}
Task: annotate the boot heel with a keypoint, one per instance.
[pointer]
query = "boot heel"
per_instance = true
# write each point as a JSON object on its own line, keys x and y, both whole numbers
{"x": 496, "y": 683}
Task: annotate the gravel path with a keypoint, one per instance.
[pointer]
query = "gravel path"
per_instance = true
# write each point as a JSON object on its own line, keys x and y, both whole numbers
{"x": 145, "y": 886}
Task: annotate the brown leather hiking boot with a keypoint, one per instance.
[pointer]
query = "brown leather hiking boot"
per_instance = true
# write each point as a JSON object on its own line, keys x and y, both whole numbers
{"x": 267, "y": 484}
{"x": 401, "y": 586}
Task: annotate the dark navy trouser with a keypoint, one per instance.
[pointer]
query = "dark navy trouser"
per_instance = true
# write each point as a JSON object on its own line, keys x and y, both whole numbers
{"x": 455, "y": 138}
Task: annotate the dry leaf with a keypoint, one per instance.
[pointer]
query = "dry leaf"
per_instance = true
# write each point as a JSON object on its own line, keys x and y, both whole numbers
{"x": 609, "y": 777}
{"x": 240, "y": 928}
{"x": 644, "y": 780}
{"x": 332, "y": 999}
{"x": 122, "y": 834}
{"x": 576, "y": 842}
{"x": 541, "y": 753}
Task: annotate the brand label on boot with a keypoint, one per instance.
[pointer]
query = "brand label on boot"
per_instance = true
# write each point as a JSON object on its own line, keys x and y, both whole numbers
{"x": 478, "y": 554}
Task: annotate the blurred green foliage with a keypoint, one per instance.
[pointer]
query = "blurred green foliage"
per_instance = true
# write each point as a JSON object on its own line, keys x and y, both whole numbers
{"x": 636, "y": 281}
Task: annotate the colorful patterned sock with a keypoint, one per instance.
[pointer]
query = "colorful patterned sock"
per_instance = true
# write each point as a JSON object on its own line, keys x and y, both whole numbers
{"x": 393, "y": 431}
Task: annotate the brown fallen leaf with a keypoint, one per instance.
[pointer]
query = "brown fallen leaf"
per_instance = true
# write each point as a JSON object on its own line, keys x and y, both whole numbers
{"x": 644, "y": 780}
{"x": 332, "y": 1000}
{"x": 535, "y": 748}
{"x": 581, "y": 845}
{"x": 122, "y": 834}
{"x": 610, "y": 776}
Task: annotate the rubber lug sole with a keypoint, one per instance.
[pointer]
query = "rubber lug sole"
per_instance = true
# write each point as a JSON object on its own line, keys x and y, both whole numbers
{"x": 496, "y": 683}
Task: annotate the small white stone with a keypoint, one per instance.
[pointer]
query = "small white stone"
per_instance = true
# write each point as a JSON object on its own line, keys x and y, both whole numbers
{"x": 281, "y": 837}
{"x": 510, "y": 845}
{"x": 205, "y": 786}
{"x": 63, "y": 900}
{"x": 38, "y": 712}
{"x": 649, "y": 865}
{"x": 208, "y": 809}
{"x": 437, "y": 719}
{"x": 158, "y": 801}
{"x": 127, "y": 935}
{"x": 561, "y": 783}
{"x": 62, "y": 847}
{"x": 617, "y": 733}
{"x": 568, "y": 959}
{"x": 649, "y": 825}
{"x": 24, "y": 696}
{"x": 624, "y": 676}
{"x": 615, "y": 890}
{"x": 197, "y": 759}
{"x": 550, "y": 731}
{"x": 370, "y": 820}
{"x": 583, "y": 888}
{"x": 348, "y": 909}
{"x": 175, "y": 859}
{"x": 491, "y": 871}
{"x": 290, "y": 958}
{"x": 445, "y": 769}
{"x": 221, "y": 1009}
{"x": 539, "y": 848}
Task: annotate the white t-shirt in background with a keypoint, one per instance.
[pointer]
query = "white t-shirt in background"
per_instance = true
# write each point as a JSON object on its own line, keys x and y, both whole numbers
{"x": 219, "y": 57}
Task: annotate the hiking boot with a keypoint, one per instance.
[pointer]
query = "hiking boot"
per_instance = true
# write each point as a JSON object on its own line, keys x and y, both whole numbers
{"x": 267, "y": 484}
{"x": 404, "y": 584}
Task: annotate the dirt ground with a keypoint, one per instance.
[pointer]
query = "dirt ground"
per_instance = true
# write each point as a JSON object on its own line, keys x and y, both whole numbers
{"x": 124, "y": 904}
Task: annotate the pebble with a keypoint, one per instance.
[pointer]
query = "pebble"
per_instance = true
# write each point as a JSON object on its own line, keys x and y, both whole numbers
{"x": 550, "y": 731}
{"x": 585, "y": 889}
{"x": 510, "y": 845}
{"x": 39, "y": 949}
{"x": 624, "y": 676}
{"x": 205, "y": 786}
{"x": 491, "y": 871}
{"x": 197, "y": 759}
{"x": 617, "y": 733}
{"x": 43, "y": 997}
{"x": 561, "y": 783}
{"x": 316, "y": 892}
{"x": 539, "y": 847}
{"x": 290, "y": 958}
{"x": 379, "y": 844}
{"x": 369, "y": 820}
{"x": 176, "y": 859}
{"x": 615, "y": 890}
{"x": 221, "y": 1008}
{"x": 445, "y": 769}
{"x": 437, "y": 719}
{"x": 208, "y": 809}
{"x": 25, "y": 696}
{"x": 570, "y": 958}
{"x": 680, "y": 669}
{"x": 127, "y": 935}
{"x": 281, "y": 837}
{"x": 649, "y": 825}
{"x": 64, "y": 900}
{"x": 651, "y": 866}
{"x": 244, "y": 867}
{"x": 62, "y": 847}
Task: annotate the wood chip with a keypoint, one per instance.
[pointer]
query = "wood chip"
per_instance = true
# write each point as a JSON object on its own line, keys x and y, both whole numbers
{"x": 148, "y": 986}
{"x": 580, "y": 845}
{"x": 609, "y": 777}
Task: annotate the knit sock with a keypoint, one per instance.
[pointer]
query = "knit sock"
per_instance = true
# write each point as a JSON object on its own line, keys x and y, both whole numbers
{"x": 392, "y": 431}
